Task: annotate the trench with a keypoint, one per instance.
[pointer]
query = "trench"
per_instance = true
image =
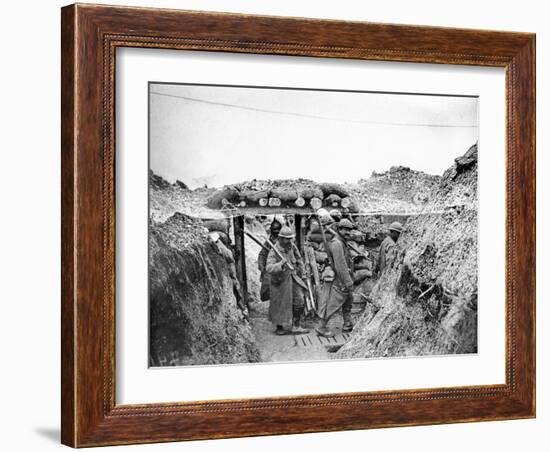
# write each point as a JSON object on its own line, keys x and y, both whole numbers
{"x": 286, "y": 348}
{"x": 424, "y": 303}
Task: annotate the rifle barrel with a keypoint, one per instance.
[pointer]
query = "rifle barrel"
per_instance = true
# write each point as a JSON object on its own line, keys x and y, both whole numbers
{"x": 357, "y": 250}
{"x": 256, "y": 239}
{"x": 253, "y": 237}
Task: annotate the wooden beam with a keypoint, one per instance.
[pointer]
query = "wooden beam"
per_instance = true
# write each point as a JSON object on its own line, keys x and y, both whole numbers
{"x": 298, "y": 227}
{"x": 240, "y": 264}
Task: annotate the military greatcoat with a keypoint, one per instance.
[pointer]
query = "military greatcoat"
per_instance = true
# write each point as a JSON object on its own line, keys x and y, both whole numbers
{"x": 387, "y": 248}
{"x": 286, "y": 288}
{"x": 334, "y": 294}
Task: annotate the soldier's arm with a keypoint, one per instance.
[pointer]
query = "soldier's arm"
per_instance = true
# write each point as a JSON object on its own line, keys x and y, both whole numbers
{"x": 273, "y": 263}
{"x": 340, "y": 266}
{"x": 390, "y": 252}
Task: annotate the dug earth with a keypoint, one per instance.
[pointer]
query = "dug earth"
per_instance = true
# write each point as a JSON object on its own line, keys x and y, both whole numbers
{"x": 194, "y": 317}
{"x": 424, "y": 302}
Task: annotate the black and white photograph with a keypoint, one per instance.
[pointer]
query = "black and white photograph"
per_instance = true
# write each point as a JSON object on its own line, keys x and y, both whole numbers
{"x": 293, "y": 225}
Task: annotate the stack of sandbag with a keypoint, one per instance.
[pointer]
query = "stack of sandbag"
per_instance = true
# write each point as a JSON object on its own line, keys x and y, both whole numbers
{"x": 296, "y": 193}
{"x": 253, "y": 196}
{"x": 310, "y": 192}
{"x": 224, "y": 196}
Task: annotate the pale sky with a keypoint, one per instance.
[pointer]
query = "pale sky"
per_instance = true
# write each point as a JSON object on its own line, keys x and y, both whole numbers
{"x": 222, "y": 135}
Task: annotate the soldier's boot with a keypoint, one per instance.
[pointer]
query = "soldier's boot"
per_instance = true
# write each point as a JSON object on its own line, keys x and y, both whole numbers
{"x": 348, "y": 325}
{"x": 297, "y": 328}
{"x": 280, "y": 331}
{"x": 323, "y": 330}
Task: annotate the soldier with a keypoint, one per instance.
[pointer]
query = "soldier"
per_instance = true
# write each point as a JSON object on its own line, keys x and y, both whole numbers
{"x": 340, "y": 294}
{"x": 387, "y": 247}
{"x": 274, "y": 230}
{"x": 286, "y": 287}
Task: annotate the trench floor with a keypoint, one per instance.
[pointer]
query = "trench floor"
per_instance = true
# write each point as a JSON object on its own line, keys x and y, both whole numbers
{"x": 294, "y": 347}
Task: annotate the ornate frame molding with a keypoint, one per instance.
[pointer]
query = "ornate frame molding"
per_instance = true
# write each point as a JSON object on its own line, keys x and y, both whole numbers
{"x": 90, "y": 37}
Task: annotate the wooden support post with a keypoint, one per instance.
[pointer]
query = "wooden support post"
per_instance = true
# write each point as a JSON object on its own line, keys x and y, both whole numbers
{"x": 298, "y": 230}
{"x": 240, "y": 264}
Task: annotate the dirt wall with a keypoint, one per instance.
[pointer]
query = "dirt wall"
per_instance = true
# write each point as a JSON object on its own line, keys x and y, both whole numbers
{"x": 194, "y": 317}
{"x": 425, "y": 302}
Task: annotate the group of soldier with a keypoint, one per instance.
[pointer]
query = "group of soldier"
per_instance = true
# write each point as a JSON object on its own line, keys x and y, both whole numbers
{"x": 327, "y": 276}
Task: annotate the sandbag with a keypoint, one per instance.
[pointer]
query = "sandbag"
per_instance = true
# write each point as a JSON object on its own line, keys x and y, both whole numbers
{"x": 352, "y": 208}
{"x": 361, "y": 275}
{"x": 333, "y": 200}
{"x": 357, "y": 236}
{"x": 362, "y": 263}
{"x": 253, "y": 196}
{"x": 228, "y": 193}
{"x": 310, "y": 192}
{"x": 330, "y": 188}
{"x": 328, "y": 274}
{"x": 285, "y": 194}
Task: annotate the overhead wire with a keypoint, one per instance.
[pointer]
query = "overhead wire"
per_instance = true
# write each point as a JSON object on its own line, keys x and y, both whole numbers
{"x": 305, "y": 115}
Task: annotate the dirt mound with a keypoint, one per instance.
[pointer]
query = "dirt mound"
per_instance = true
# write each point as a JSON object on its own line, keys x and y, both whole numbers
{"x": 165, "y": 199}
{"x": 426, "y": 299}
{"x": 194, "y": 317}
{"x": 399, "y": 190}
{"x": 458, "y": 187}
{"x": 157, "y": 182}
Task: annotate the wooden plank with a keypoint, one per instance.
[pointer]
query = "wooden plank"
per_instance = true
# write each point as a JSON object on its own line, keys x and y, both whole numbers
{"x": 240, "y": 262}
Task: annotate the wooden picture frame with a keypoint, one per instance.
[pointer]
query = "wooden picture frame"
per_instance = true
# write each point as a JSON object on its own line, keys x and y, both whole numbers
{"x": 90, "y": 35}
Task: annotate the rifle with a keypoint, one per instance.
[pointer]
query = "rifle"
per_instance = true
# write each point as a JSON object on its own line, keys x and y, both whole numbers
{"x": 311, "y": 261}
{"x": 310, "y": 301}
{"x": 357, "y": 250}
{"x": 365, "y": 255}
{"x": 259, "y": 242}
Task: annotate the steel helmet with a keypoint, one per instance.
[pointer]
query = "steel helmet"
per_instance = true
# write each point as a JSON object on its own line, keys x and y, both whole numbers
{"x": 324, "y": 216}
{"x": 396, "y": 226}
{"x": 345, "y": 223}
{"x": 286, "y": 233}
{"x": 335, "y": 214}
